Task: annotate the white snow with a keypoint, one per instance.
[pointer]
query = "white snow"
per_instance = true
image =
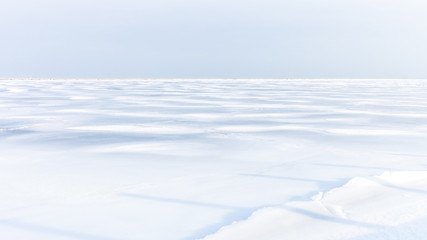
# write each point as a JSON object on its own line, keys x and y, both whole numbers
{"x": 213, "y": 159}
{"x": 360, "y": 208}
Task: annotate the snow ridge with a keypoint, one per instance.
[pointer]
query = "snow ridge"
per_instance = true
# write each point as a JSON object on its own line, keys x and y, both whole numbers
{"x": 374, "y": 206}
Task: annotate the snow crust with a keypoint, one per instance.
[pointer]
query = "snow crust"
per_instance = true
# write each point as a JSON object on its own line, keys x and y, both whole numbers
{"x": 213, "y": 159}
{"x": 383, "y": 206}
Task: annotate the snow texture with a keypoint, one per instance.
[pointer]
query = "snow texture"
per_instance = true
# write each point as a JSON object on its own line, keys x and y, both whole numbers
{"x": 213, "y": 159}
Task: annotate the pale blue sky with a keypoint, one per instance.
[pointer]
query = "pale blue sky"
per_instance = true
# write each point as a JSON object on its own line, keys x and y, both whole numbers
{"x": 213, "y": 39}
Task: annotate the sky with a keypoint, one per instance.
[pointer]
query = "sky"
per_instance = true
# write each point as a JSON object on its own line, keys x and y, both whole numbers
{"x": 213, "y": 39}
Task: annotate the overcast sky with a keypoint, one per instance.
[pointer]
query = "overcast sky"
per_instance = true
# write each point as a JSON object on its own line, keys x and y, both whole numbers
{"x": 213, "y": 38}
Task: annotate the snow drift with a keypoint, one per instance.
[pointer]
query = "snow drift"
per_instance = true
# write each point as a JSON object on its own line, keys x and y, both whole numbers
{"x": 184, "y": 159}
{"x": 381, "y": 206}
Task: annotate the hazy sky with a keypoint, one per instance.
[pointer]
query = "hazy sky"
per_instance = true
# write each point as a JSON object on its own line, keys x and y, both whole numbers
{"x": 213, "y": 38}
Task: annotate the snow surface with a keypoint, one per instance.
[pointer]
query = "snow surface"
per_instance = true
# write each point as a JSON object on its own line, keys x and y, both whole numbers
{"x": 213, "y": 159}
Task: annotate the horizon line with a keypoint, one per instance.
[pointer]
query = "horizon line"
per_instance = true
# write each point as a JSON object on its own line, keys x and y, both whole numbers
{"x": 135, "y": 79}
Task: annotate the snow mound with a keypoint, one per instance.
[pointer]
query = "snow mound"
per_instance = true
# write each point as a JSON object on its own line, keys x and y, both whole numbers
{"x": 380, "y": 207}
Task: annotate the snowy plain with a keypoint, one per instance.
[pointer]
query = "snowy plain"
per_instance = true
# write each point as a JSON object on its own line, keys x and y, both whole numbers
{"x": 213, "y": 159}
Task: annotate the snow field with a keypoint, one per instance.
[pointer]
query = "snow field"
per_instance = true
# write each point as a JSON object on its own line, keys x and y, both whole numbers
{"x": 214, "y": 159}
